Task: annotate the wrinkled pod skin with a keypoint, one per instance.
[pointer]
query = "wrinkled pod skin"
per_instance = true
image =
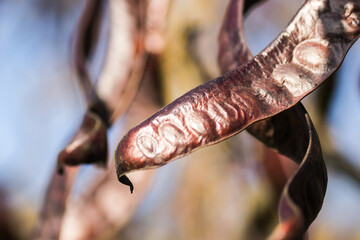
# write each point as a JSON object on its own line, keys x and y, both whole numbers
{"x": 275, "y": 132}
{"x": 310, "y": 49}
{"x": 303, "y": 196}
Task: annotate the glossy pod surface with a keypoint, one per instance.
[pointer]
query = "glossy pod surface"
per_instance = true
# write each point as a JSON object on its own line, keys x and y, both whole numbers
{"x": 290, "y": 133}
{"x": 297, "y": 62}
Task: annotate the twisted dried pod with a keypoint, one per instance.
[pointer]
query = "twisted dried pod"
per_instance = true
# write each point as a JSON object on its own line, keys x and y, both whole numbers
{"x": 303, "y": 196}
{"x": 273, "y": 81}
{"x": 106, "y": 106}
{"x": 89, "y": 144}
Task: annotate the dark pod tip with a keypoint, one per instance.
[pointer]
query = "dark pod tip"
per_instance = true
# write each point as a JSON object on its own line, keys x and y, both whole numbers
{"x": 60, "y": 169}
{"x": 126, "y": 181}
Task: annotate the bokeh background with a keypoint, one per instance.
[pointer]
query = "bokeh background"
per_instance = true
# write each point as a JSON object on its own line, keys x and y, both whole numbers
{"x": 220, "y": 192}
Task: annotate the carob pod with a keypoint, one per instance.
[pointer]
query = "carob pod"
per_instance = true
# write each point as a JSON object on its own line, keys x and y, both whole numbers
{"x": 292, "y": 66}
{"x": 89, "y": 144}
{"x": 290, "y": 132}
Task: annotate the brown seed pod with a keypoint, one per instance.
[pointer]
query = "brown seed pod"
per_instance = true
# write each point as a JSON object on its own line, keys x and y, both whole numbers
{"x": 250, "y": 89}
{"x": 89, "y": 144}
{"x": 105, "y": 107}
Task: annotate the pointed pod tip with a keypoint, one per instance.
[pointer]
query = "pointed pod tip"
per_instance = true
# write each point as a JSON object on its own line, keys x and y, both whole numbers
{"x": 60, "y": 169}
{"x": 120, "y": 172}
{"x": 126, "y": 181}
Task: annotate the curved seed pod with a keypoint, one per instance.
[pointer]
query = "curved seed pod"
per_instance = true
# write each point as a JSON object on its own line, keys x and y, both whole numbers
{"x": 275, "y": 132}
{"x": 291, "y": 67}
{"x": 303, "y": 195}
{"x": 103, "y": 111}
{"x": 309, "y": 184}
{"x": 89, "y": 144}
